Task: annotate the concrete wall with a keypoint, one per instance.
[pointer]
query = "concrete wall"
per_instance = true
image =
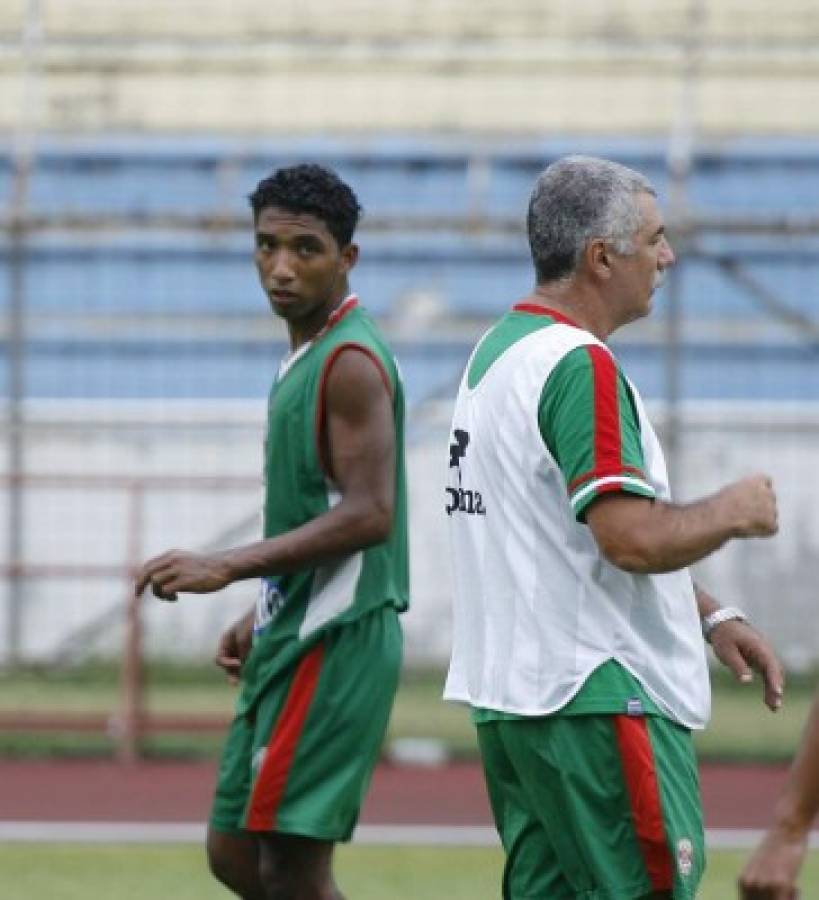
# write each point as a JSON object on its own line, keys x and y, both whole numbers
{"x": 774, "y": 580}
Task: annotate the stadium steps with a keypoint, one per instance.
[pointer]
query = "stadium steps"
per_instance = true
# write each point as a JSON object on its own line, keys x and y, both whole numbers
{"x": 361, "y": 66}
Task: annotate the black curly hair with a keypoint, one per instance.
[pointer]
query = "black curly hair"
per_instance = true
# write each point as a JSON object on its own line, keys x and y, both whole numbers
{"x": 312, "y": 189}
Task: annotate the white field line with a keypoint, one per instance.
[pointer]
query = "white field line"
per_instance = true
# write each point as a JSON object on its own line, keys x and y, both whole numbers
{"x": 385, "y": 835}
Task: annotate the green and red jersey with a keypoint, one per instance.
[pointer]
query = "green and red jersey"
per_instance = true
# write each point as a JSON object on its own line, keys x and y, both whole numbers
{"x": 295, "y": 609}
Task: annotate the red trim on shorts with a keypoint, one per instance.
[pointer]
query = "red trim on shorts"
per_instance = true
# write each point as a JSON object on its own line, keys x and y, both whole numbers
{"x": 640, "y": 773}
{"x": 281, "y": 748}
{"x": 321, "y": 417}
{"x": 538, "y": 310}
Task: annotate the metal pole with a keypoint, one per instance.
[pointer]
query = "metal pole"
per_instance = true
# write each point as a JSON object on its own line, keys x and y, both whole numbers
{"x": 679, "y": 161}
{"x": 23, "y": 159}
{"x": 131, "y": 673}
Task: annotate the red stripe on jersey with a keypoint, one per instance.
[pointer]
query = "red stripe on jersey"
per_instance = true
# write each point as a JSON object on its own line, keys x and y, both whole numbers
{"x": 338, "y": 313}
{"x": 644, "y": 796}
{"x": 321, "y": 415}
{"x": 281, "y": 748}
{"x": 607, "y": 441}
{"x": 537, "y": 310}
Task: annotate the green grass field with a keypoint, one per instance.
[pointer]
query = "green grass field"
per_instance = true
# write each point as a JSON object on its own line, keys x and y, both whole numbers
{"x": 78, "y": 872}
{"x": 741, "y": 728}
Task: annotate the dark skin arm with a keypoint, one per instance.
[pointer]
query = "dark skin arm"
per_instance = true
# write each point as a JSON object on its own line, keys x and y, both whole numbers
{"x": 646, "y": 536}
{"x": 772, "y": 870}
{"x": 360, "y": 443}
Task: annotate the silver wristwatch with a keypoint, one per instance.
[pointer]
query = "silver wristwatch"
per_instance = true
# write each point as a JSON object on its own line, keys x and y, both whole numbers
{"x": 710, "y": 622}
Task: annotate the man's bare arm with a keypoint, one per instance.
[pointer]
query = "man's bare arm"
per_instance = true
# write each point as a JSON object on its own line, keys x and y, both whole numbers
{"x": 771, "y": 872}
{"x": 648, "y": 536}
{"x": 360, "y": 444}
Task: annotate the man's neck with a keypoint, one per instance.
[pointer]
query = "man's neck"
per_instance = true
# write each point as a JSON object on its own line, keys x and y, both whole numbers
{"x": 579, "y": 305}
{"x": 305, "y": 330}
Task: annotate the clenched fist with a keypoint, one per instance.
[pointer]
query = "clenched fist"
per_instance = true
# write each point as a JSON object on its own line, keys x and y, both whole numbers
{"x": 750, "y": 506}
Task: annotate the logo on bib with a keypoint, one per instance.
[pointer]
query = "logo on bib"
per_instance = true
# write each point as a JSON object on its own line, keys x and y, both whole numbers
{"x": 460, "y": 499}
{"x": 685, "y": 856}
{"x": 457, "y": 449}
{"x": 634, "y": 706}
{"x": 269, "y": 605}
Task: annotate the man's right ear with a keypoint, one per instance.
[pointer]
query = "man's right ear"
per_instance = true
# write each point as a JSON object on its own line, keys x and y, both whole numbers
{"x": 349, "y": 256}
{"x": 598, "y": 258}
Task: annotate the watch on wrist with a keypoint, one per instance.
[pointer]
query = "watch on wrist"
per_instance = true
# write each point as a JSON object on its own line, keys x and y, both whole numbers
{"x": 726, "y": 614}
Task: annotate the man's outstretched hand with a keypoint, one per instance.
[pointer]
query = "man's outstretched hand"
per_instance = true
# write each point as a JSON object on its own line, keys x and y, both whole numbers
{"x": 178, "y": 570}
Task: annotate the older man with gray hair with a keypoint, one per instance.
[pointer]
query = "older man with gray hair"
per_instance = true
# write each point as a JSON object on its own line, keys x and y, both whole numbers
{"x": 578, "y": 633}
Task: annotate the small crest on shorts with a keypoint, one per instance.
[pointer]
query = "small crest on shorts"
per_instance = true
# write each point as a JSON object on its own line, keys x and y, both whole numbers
{"x": 258, "y": 759}
{"x": 634, "y": 706}
{"x": 685, "y": 856}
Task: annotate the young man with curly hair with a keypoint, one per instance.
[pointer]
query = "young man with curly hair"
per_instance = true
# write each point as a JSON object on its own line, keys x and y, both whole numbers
{"x": 319, "y": 656}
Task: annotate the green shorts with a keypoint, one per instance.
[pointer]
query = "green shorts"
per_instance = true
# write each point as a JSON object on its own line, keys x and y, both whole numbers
{"x": 598, "y": 807}
{"x": 301, "y": 761}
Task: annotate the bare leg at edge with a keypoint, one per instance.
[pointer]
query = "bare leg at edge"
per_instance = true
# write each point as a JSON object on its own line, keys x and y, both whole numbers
{"x": 296, "y": 868}
{"x": 234, "y": 861}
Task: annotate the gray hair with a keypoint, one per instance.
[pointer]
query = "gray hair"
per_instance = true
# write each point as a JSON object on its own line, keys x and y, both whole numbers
{"x": 578, "y": 199}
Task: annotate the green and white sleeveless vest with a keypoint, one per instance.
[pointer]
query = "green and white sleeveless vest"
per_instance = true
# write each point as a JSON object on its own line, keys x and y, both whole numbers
{"x": 295, "y": 609}
{"x": 537, "y": 607}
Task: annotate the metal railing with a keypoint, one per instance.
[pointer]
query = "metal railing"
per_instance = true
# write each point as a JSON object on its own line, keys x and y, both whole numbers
{"x": 130, "y": 722}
